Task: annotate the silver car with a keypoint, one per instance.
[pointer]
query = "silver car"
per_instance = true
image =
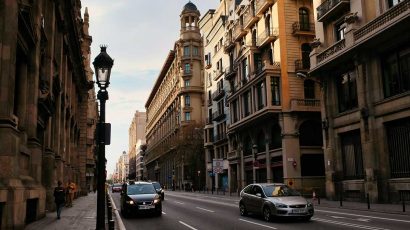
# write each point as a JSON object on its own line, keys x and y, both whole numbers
{"x": 274, "y": 200}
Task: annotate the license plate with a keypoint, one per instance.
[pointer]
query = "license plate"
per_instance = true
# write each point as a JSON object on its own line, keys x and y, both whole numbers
{"x": 299, "y": 210}
{"x": 146, "y": 206}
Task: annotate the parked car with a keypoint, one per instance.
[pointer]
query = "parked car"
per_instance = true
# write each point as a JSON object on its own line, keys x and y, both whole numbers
{"x": 274, "y": 200}
{"x": 140, "y": 197}
{"x": 116, "y": 188}
{"x": 159, "y": 189}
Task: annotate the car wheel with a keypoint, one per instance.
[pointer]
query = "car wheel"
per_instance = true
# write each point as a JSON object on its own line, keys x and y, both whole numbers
{"x": 307, "y": 218}
{"x": 159, "y": 213}
{"x": 242, "y": 210}
{"x": 124, "y": 213}
{"x": 267, "y": 215}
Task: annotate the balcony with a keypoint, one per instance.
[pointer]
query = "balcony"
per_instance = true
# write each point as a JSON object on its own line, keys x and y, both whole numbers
{"x": 331, "y": 51}
{"x": 186, "y": 73}
{"x": 218, "y": 94}
{"x": 220, "y": 137}
{"x": 305, "y": 29}
{"x": 191, "y": 89}
{"x": 238, "y": 32}
{"x": 265, "y": 38}
{"x": 250, "y": 18}
{"x": 218, "y": 115}
{"x": 209, "y": 121}
{"x": 230, "y": 72}
{"x": 228, "y": 45}
{"x": 232, "y": 155}
{"x": 331, "y": 8}
{"x": 302, "y": 65}
{"x": 262, "y": 6}
{"x": 312, "y": 105}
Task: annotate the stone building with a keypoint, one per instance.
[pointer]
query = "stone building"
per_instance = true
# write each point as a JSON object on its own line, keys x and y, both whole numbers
{"x": 362, "y": 58}
{"x": 174, "y": 110}
{"x": 44, "y": 85}
{"x": 136, "y": 135}
{"x": 274, "y": 127}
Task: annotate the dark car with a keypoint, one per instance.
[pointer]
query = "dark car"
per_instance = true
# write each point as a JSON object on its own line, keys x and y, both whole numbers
{"x": 116, "y": 188}
{"x": 274, "y": 200}
{"x": 140, "y": 198}
{"x": 159, "y": 189}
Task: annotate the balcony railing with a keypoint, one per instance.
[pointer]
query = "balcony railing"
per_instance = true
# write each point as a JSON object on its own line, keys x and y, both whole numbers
{"x": 262, "y": 6}
{"x": 209, "y": 120}
{"x": 331, "y": 7}
{"x": 218, "y": 94}
{"x": 218, "y": 115}
{"x": 220, "y": 137}
{"x": 335, "y": 48}
{"x": 305, "y": 105}
{"x": 382, "y": 20}
{"x": 238, "y": 32}
{"x": 302, "y": 65}
{"x": 232, "y": 154}
{"x": 230, "y": 72}
{"x": 303, "y": 29}
{"x": 270, "y": 34}
{"x": 229, "y": 44}
{"x": 250, "y": 18}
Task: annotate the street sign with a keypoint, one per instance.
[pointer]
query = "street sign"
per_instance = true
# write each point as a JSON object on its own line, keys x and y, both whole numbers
{"x": 218, "y": 165}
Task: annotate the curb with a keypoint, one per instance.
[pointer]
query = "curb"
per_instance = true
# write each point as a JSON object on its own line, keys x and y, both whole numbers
{"x": 121, "y": 225}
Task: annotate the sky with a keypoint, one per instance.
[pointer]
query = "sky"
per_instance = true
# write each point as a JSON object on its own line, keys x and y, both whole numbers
{"x": 139, "y": 34}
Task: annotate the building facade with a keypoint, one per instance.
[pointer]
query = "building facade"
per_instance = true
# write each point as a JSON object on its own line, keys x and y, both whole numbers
{"x": 274, "y": 130}
{"x": 136, "y": 134}
{"x": 44, "y": 105}
{"x": 175, "y": 110}
{"x": 216, "y": 88}
{"x": 362, "y": 58}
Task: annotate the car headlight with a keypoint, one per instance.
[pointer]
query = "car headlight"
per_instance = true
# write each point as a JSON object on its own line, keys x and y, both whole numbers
{"x": 130, "y": 202}
{"x": 156, "y": 201}
{"x": 309, "y": 204}
{"x": 279, "y": 205}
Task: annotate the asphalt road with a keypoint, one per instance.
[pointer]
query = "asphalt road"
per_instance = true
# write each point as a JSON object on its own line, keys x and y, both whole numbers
{"x": 200, "y": 211}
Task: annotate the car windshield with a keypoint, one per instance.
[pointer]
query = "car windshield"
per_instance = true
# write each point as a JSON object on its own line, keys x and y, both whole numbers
{"x": 140, "y": 189}
{"x": 279, "y": 190}
{"x": 116, "y": 185}
{"x": 156, "y": 185}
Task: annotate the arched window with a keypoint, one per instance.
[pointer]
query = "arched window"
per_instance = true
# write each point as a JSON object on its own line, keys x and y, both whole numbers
{"x": 306, "y": 49}
{"x": 304, "y": 19}
{"x": 309, "y": 89}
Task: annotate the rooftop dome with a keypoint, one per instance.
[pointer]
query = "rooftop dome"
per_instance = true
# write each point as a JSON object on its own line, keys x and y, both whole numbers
{"x": 190, "y": 6}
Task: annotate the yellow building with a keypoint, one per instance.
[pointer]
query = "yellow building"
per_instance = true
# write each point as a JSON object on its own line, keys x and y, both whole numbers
{"x": 174, "y": 110}
{"x": 274, "y": 125}
{"x": 362, "y": 58}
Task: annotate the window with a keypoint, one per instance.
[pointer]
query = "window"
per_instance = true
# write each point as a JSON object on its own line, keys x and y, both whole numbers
{"x": 246, "y": 103}
{"x": 195, "y": 51}
{"x": 340, "y": 31}
{"x": 276, "y": 137}
{"x": 245, "y": 71}
{"x": 394, "y": 2}
{"x": 186, "y": 50}
{"x": 306, "y": 49}
{"x": 309, "y": 88}
{"x": 209, "y": 79}
{"x": 187, "y": 100}
{"x": 347, "y": 91}
{"x": 187, "y": 68}
{"x": 398, "y": 136}
{"x": 235, "y": 111}
{"x": 304, "y": 19}
{"x": 275, "y": 90}
{"x": 352, "y": 155}
{"x": 260, "y": 95}
{"x": 396, "y": 73}
{"x": 187, "y": 83}
{"x": 187, "y": 116}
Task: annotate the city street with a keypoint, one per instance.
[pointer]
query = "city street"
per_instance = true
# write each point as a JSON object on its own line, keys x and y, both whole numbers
{"x": 202, "y": 211}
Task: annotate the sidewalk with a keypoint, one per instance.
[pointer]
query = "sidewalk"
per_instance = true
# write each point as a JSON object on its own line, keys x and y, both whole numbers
{"x": 82, "y": 216}
{"x": 346, "y": 205}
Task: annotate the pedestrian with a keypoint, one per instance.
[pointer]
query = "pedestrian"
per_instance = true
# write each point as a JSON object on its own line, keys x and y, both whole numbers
{"x": 59, "y": 198}
{"x": 70, "y": 190}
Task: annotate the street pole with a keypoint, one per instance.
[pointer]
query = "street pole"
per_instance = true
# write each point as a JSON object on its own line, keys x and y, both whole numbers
{"x": 102, "y": 96}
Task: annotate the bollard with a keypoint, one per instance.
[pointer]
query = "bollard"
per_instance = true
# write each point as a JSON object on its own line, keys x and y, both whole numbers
{"x": 340, "y": 200}
{"x": 111, "y": 224}
{"x": 368, "y": 200}
{"x": 318, "y": 200}
{"x": 404, "y": 205}
{"x": 223, "y": 191}
{"x": 109, "y": 212}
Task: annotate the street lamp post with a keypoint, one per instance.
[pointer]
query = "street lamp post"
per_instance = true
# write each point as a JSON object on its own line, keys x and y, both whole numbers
{"x": 102, "y": 64}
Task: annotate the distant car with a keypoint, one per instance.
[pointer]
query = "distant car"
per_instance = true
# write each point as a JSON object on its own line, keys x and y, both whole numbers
{"x": 140, "y": 197}
{"x": 116, "y": 188}
{"x": 159, "y": 189}
{"x": 274, "y": 200}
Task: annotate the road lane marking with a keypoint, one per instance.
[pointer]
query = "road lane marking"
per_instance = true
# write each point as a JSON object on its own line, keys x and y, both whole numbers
{"x": 371, "y": 217}
{"x": 205, "y": 209}
{"x": 349, "y": 224}
{"x": 178, "y": 202}
{"x": 363, "y": 219}
{"x": 164, "y": 213}
{"x": 187, "y": 225}
{"x": 338, "y": 217}
{"x": 266, "y": 226}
